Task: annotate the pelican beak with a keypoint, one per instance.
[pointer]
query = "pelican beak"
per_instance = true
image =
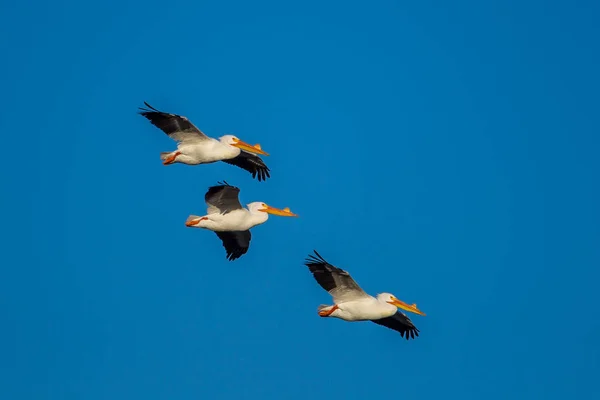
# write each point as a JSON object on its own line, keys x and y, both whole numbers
{"x": 407, "y": 307}
{"x": 256, "y": 149}
{"x": 276, "y": 211}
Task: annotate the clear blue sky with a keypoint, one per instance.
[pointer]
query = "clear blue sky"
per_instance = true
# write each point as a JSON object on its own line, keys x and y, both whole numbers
{"x": 447, "y": 153}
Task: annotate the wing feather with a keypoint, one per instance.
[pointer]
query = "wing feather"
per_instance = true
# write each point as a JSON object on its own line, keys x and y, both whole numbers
{"x": 222, "y": 198}
{"x": 400, "y": 323}
{"x": 236, "y": 243}
{"x": 334, "y": 280}
{"x": 177, "y": 127}
{"x": 251, "y": 163}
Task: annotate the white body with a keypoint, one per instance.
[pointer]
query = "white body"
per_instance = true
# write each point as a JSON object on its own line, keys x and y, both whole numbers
{"x": 203, "y": 152}
{"x": 236, "y": 220}
{"x": 351, "y": 302}
{"x": 362, "y": 309}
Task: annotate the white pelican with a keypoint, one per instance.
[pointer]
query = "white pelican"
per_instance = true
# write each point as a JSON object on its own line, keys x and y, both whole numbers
{"x": 194, "y": 147}
{"x": 351, "y": 303}
{"x": 230, "y": 221}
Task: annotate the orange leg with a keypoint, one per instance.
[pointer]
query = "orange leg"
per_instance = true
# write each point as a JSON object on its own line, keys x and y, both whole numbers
{"x": 171, "y": 159}
{"x": 327, "y": 313}
{"x": 195, "y": 222}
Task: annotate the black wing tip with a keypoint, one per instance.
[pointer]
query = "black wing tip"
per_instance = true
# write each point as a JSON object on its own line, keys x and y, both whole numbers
{"x": 411, "y": 333}
{"x": 261, "y": 173}
{"x": 317, "y": 264}
{"x": 153, "y": 115}
{"x": 405, "y": 328}
{"x": 148, "y": 110}
{"x": 234, "y": 254}
{"x": 220, "y": 185}
{"x": 318, "y": 260}
{"x": 314, "y": 260}
{"x": 251, "y": 163}
{"x": 233, "y": 249}
{"x": 152, "y": 112}
{"x": 147, "y": 113}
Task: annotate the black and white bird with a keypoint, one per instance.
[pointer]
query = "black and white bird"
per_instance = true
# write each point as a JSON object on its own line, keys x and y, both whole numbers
{"x": 194, "y": 147}
{"x": 230, "y": 221}
{"x": 351, "y": 303}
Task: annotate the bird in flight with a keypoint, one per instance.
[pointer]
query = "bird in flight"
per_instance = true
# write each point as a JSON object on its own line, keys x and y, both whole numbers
{"x": 351, "y": 303}
{"x": 194, "y": 147}
{"x": 230, "y": 221}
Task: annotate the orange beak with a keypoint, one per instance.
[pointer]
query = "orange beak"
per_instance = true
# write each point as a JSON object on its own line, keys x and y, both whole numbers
{"x": 410, "y": 308}
{"x": 256, "y": 149}
{"x": 276, "y": 211}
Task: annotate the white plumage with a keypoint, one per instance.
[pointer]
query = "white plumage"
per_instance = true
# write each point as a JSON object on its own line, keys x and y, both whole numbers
{"x": 351, "y": 303}
{"x": 194, "y": 147}
{"x": 230, "y": 221}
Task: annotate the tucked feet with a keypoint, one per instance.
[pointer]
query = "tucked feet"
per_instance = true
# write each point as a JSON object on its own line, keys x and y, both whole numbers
{"x": 193, "y": 221}
{"x": 327, "y": 313}
{"x": 171, "y": 159}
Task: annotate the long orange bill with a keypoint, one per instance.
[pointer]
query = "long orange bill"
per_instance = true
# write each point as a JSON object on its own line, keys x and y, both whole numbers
{"x": 256, "y": 149}
{"x": 408, "y": 307}
{"x": 276, "y": 211}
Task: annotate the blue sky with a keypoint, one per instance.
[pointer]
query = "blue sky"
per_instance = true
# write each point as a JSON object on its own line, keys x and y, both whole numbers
{"x": 447, "y": 153}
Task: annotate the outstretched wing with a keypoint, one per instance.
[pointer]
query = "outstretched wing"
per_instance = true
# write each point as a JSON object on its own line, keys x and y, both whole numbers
{"x": 236, "y": 243}
{"x": 336, "y": 281}
{"x": 222, "y": 198}
{"x": 177, "y": 127}
{"x": 400, "y": 323}
{"x": 251, "y": 163}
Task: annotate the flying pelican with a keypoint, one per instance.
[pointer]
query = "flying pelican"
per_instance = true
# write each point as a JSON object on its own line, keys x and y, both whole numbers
{"x": 351, "y": 303}
{"x": 194, "y": 147}
{"x": 230, "y": 221}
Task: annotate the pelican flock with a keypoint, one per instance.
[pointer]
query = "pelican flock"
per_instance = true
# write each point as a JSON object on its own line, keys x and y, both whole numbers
{"x": 231, "y": 222}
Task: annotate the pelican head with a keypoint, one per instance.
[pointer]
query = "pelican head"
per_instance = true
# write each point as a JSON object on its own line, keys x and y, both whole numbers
{"x": 391, "y": 299}
{"x": 232, "y": 140}
{"x": 259, "y": 206}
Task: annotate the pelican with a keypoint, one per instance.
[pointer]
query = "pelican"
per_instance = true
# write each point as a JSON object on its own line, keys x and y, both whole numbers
{"x": 194, "y": 147}
{"x": 230, "y": 221}
{"x": 351, "y": 303}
